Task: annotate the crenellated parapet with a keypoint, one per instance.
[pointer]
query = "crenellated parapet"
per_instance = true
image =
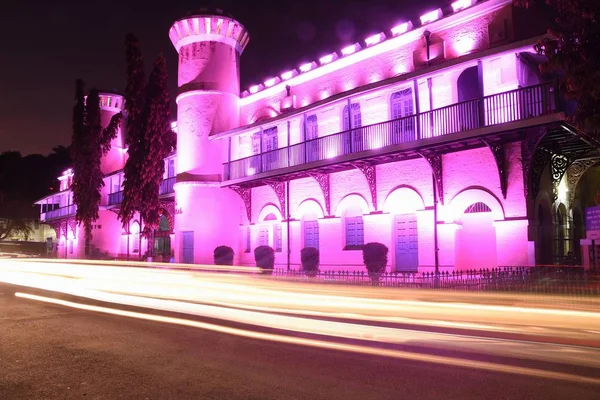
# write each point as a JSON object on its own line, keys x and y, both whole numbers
{"x": 209, "y": 27}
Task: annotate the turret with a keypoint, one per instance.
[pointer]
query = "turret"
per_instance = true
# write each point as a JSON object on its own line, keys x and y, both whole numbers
{"x": 209, "y": 46}
{"x": 110, "y": 105}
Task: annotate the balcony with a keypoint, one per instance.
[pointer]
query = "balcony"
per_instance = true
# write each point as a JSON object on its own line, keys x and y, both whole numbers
{"x": 115, "y": 198}
{"x": 512, "y": 106}
{"x": 60, "y": 212}
{"x": 166, "y": 186}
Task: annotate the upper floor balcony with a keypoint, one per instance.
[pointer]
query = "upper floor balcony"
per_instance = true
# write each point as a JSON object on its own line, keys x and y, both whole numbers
{"x": 165, "y": 189}
{"x": 417, "y": 129}
{"x": 61, "y": 212}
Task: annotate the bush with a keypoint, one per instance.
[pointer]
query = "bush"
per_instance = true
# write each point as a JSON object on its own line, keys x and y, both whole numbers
{"x": 309, "y": 257}
{"x": 223, "y": 255}
{"x": 375, "y": 257}
{"x": 265, "y": 258}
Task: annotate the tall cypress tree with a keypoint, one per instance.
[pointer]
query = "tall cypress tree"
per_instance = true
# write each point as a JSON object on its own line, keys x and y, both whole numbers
{"x": 89, "y": 143}
{"x": 150, "y": 138}
{"x": 159, "y": 142}
{"x": 134, "y": 104}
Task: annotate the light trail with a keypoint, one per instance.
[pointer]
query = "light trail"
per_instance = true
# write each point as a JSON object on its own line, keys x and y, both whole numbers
{"x": 472, "y": 344}
{"x": 482, "y": 365}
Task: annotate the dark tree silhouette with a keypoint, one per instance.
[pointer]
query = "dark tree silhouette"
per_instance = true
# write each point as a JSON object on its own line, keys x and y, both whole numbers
{"x": 571, "y": 48}
{"x": 149, "y": 137}
{"x": 89, "y": 143}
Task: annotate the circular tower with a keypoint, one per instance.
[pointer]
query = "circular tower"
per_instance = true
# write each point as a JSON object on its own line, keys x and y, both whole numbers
{"x": 209, "y": 44}
{"x": 110, "y": 105}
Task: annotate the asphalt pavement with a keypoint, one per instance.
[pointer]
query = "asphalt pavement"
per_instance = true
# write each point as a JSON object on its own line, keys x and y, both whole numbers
{"x": 54, "y": 352}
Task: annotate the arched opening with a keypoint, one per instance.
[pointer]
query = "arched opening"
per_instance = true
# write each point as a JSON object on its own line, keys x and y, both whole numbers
{"x": 162, "y": 236}
{"x": 403, "y": 203}
{"x": 310, "y": 211}
{"x": 562, "y": 244}
{"x": 468, "y": 88}
{"x": 476, "y": 238}
{"x": 543, "y": 248}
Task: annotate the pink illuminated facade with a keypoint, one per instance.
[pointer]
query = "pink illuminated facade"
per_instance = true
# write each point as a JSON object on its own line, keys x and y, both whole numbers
{"x": 438, "y": 138}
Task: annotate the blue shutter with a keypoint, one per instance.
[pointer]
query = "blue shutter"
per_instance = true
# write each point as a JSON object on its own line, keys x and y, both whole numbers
{"x": 311, "y": 234}
{"x": 354, "y": 231}
{"x": 278, "y": 239}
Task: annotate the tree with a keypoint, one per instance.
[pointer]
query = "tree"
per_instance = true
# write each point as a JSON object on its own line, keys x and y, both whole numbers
{"x": 134, "y": 100}
{"x": 571, "y": 48}
{"x": 150, "y": 138}
{"x": 89, "y": 143}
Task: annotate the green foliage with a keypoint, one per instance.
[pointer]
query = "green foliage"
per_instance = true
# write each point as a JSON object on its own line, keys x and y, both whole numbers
{"x": 89, "y": 143}
{"x": 310, "y": 259}
{"x": 375, "y": 257}
{"x": 151, "y": 139}
{"x": 223, "y": 255}
{"x": 24, "y": 180}
{"x": 265, "y": 258}
{"x": 571, "y": 48}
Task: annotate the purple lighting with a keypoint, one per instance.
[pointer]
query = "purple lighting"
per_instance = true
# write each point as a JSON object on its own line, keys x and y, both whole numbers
{"x": 307, "y": 67}
{"x": 372, "y": 40}
{"x": 401, "y": 28}
{"x": 350, "y": 49}
{"x": 462, "y": 4}
{"x": 328, "y": 58}
{"x": 431, "y": 16}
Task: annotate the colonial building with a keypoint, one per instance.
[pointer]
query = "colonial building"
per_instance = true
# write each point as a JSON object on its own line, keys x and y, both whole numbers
{"x": 439, "y": 138}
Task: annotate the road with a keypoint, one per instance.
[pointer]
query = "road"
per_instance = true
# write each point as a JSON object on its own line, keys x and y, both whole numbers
{"x": 50, "y": 351}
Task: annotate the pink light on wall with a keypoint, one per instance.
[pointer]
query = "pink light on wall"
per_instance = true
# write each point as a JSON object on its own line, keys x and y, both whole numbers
{"x": 351, "y": 49}
{"x": 462, "y": 4}
{"x": 464, "y": 45}
{"x": 401, "y": 28}
{"x": 431, "y": 16}
{"x": 328, "y": 58}
{"x": 254, "y": 89}
{"x": 373, "y": 40}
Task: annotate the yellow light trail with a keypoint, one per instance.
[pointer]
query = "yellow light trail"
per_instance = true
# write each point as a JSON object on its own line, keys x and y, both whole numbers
{"x": 482, "y": 365}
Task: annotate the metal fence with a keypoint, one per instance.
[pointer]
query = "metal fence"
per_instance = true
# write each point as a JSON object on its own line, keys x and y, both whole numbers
{"x": 559, "y": 281}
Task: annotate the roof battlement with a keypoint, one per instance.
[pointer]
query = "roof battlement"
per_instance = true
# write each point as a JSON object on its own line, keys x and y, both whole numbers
{"x": 209, "y": 25}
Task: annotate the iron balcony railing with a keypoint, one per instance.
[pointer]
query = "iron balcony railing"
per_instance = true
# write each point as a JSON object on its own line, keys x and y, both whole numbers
{"x": 115, "y": 198}
{"x": 61, "y": 212}
{"x": 515, "y": 105}
{"x": 166, "y": 186}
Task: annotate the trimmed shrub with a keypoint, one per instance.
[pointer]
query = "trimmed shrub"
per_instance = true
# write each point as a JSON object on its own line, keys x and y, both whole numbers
{"x": 265, "y": 258}
{"x": 375, "y": 257}
{"x": 309, "y": 257}
{"x": 223, "y": 255}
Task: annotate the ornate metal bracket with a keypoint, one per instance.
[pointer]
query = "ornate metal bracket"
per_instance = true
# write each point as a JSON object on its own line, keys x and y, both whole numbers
{"x": 499, "y": 153}
{"x": 57, "y": 226}
{"x": 325, "y": 184}
{"x": 541, "y": 158}
{"x": 529, "y": 147}
{"x": 435, "y": 162}
{"x": 369, "y": 171}
{"x": 246, "y": 195}
{"x": 169, "y": 206}
{"x": 279, "y": 189}
{"x": 575, "y": 171}
{"x": 73, "y": 226}
{"x": 559, "y": 164}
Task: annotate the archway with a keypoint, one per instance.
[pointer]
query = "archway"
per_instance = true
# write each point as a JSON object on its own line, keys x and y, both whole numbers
{"x": 476, "y": 239}
{"x": 403, "y": 204}
{"x": 468, "y": 88}
{"x": 162, "y": 236}
{"x": 309, "y": 212}
{"x": 269, "y": 227}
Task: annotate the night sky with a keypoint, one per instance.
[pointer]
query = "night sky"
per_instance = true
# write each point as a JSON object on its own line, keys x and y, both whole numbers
{"x": 47, "y": 45}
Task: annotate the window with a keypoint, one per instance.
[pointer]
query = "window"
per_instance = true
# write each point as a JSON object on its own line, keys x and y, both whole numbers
{"x": 402, "y": 107}
{"x": 256, "y": 147}
{"x": 355, "y": 234}
{"x": 263, "y": 235}
{"x": 478, "y": 207}
{"x": 277, "y": 237}
{"x": 171, "y": 168}
{"x": 311, "y": 234}
{"x": 269, "y": 147}
{"x": 248, "y": 240}
{"x": 311, "y": 132}
{"x": 136, "y": 243}
{"x": 353, "y": 140}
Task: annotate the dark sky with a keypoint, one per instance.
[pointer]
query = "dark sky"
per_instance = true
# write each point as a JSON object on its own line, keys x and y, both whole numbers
{"x": 46, "y": 45}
